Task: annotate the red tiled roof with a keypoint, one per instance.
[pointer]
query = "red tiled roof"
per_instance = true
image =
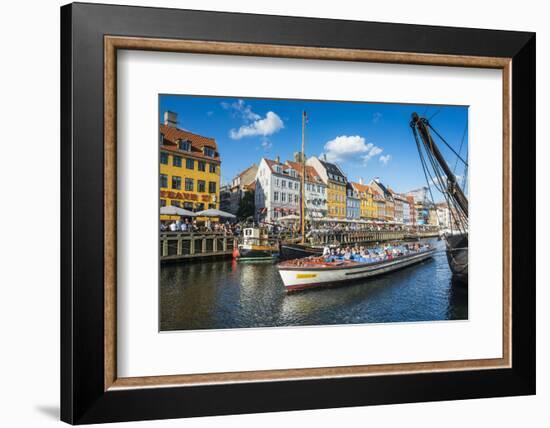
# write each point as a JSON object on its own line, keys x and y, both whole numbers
{"x": 172, "y": 135}
{"x": 272, "y": 163}
{"x": 311, "y": 173}
{"x": 363, "y": 188}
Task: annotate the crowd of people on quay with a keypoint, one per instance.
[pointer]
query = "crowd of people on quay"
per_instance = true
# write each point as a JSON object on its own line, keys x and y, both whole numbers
{"x": 193, "y": 226}
{"x": 313, "y": 230}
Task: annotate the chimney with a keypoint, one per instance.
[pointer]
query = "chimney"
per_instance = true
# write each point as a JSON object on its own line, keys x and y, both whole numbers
{"x": 170, "y": 119}
{"x": 325, "y": 157}
{"x": 278, "y": 159}
{"x": 298, "y": 157}
{"x": 360, "y": 180}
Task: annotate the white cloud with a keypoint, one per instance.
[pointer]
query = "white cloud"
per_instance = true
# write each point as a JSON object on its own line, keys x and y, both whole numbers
{"x": 266, "y": 144}
{"x": 384, "y": 159}
{"x": 350, "y": 147}
{"x": 240, "y": 109}
{"x": 264, "y": 127}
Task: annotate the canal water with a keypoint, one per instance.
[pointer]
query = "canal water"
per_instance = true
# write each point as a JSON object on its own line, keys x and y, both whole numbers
{"x": 226, "y": 294}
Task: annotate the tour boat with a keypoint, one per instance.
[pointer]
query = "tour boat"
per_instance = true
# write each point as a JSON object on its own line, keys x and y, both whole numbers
{"x": 314, "y": 272}
{"x": 255, "y": 246}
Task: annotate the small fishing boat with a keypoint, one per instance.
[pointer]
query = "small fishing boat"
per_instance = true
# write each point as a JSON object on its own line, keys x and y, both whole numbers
{"x": 255, "y": 246}
{"x": 314, "y": 272}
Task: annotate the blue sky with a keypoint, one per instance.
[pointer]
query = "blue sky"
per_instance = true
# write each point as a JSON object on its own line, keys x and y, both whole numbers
{"x": 366, "y": 139}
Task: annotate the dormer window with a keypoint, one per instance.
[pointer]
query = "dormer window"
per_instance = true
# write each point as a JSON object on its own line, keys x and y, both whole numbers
{"x": 208, "y": 151}
{"x": 184, "y": 145}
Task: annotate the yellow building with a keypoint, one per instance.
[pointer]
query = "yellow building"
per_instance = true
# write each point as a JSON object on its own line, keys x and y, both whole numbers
{"x": 366, "y": 194}
{"x": 336, "y": 199}
{"x": 336, "y": 183}
{"x": 189, "y": 169}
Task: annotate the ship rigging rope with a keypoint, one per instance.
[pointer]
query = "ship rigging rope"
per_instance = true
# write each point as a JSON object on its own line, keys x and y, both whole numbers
{"x": 439, "y": 185}
{"x": 461, "y": 144}
{"x": 447, "y": 144}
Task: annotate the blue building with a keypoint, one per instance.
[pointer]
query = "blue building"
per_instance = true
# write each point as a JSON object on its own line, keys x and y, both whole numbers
{"x": 353, "y": 203}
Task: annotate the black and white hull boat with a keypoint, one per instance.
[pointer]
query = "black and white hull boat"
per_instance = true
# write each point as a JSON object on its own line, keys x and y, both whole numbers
{"x": 314, "y": 272}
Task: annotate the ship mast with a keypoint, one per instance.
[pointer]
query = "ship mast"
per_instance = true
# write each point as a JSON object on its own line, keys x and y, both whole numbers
{"x": 420, "y": 127}
{"x": 303, "y": 181}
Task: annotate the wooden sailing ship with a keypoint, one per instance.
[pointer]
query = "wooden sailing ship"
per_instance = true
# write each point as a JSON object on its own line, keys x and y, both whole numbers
{"x": 444, "y": 179}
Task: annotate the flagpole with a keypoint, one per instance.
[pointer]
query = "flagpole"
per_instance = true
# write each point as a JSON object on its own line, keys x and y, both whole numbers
{"x": 303, "y": 181}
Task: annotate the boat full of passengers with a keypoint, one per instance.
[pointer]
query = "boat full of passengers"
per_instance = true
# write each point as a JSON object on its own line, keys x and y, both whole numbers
{"x": 341, "y": 266}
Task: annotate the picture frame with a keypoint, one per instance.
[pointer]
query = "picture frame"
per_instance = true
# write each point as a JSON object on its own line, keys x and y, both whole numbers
{"x": 91, "y": 391}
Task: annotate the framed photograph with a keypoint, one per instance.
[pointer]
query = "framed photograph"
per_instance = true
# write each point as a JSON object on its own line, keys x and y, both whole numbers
{"x": 267, "y": 213}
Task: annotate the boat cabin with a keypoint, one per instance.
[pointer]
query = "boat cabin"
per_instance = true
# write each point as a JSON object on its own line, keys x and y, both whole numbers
{"x": 255, "y": 236}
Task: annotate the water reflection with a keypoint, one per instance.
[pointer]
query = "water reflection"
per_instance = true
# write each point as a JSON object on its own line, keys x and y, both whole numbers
{"x": 225, "y": 294}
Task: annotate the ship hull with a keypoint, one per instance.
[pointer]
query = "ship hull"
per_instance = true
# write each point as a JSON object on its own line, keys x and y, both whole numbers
{"x": 297, "y": 278}
{"x": 457, "y": 256}
{"x": 256, "y": 254}
{"x": 298, "y": 251}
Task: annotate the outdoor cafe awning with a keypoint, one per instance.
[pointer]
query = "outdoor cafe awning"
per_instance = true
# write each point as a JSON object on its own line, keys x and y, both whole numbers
{"x": 171, "y": 210}
{"x": 211, "y": 212}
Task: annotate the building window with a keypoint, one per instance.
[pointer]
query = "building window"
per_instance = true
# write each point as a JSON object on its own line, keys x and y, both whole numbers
{"x": 189, "y": 185}
{"x": 275, "y": 196}
{"x": 188, "y": 206}
{"x": 209, "y": 152}
{"x": 176, "y": 182}
{"x": 283, "y": 184}
{"x": 201, "y": 166}
{"x": 199, "y": 206}
{"x": 164, "y": 158}
{"x": 163, "y": 202}
{"x": 283, "y": 197}
{"x": 175, "y": 203}
{"x": 296, "y": 199}
{"x": 176, "y": 161}
{"x": 190, "y": 163}
{"x": 211, "y": 187}
{"x": 212, "y": 206}
{"x": 212, "y": 167}
{"x": 201, "y": 186}
{"x": 163, "y": 180}
{"x": 184, "y": 145}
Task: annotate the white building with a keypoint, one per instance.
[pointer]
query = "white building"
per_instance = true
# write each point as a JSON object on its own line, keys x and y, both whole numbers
{"x": 407, "y": 219}
{"x": 315, "y": 191}
{"x": 277, "y": 190}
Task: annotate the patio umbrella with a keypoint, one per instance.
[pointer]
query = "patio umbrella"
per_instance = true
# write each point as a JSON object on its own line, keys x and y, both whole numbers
{"x": 211, "y": 212}
{"x": 171, "y": 210}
